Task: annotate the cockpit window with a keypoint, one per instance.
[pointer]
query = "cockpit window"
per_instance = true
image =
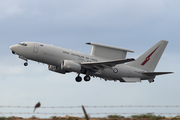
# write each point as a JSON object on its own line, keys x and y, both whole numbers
{"x": 23, "y": 44}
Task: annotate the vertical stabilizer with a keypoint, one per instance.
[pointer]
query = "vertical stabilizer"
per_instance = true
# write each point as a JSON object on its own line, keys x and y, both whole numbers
{"x": 149, "y": 60}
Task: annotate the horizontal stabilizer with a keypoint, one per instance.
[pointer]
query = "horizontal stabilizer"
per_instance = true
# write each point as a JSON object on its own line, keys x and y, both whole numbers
{"x": 131, "y": 79}
{"x": 156, "y": 73}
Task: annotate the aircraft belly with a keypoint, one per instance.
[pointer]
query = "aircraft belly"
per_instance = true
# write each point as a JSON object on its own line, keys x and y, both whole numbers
{"x": 111, "y": 74}
{"x": 121, "y": 71}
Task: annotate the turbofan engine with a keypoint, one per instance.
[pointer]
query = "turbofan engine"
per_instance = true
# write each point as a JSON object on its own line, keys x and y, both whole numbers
{"x": 56, "y": 69}
{"x": 70, "y": 66}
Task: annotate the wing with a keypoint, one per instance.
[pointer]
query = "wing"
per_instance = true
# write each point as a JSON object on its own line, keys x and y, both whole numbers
{"x": 156, "y": 73}
{"x": 94, "y": 66}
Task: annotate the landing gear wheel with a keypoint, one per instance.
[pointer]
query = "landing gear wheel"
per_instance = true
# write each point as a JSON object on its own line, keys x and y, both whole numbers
{"x": 87, "y": 78}
{"x": 78, "y": 79}
{"x": 25, "y": 64}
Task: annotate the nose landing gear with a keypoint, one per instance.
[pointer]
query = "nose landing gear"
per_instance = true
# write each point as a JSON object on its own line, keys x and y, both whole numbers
{"x": 26, "y": 64}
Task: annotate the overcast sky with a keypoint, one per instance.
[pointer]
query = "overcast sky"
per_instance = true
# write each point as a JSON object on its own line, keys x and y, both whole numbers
{"x": 133, "y": 24}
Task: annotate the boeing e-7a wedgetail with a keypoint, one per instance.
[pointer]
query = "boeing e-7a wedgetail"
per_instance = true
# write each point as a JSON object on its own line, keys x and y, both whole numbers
{"x": 105, "y": 61}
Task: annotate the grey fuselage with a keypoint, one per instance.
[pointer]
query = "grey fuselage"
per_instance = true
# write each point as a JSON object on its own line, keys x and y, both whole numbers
{"x": 53, "y": 55}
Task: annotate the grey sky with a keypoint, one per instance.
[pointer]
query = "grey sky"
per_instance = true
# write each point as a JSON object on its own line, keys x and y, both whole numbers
{"x": 135, "y": 25}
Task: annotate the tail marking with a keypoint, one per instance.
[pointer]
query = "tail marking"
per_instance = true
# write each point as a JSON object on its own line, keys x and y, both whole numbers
{"x": 148, "y": 57}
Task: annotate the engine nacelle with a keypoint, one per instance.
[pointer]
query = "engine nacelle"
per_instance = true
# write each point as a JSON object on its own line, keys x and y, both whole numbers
{"x": 56, "y": 69}
{"x": 70, "y": 66}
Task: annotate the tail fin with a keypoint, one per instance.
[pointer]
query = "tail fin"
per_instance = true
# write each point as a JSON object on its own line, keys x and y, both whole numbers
{"x": 149, "y": 60}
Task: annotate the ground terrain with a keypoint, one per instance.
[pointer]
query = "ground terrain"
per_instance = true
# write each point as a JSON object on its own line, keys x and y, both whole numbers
{"x": 77, "y": 118}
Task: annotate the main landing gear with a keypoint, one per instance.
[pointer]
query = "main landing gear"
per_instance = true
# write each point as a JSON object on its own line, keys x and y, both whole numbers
{"x": 78, "y": 78}
{"x": 86, "y": 78}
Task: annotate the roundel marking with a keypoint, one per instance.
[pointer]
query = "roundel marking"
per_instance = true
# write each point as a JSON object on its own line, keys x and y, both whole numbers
{"x": 115, "y": 70}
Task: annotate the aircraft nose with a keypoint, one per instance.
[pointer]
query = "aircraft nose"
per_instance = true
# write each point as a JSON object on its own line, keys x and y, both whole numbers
{"x": 13, "y": 48}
